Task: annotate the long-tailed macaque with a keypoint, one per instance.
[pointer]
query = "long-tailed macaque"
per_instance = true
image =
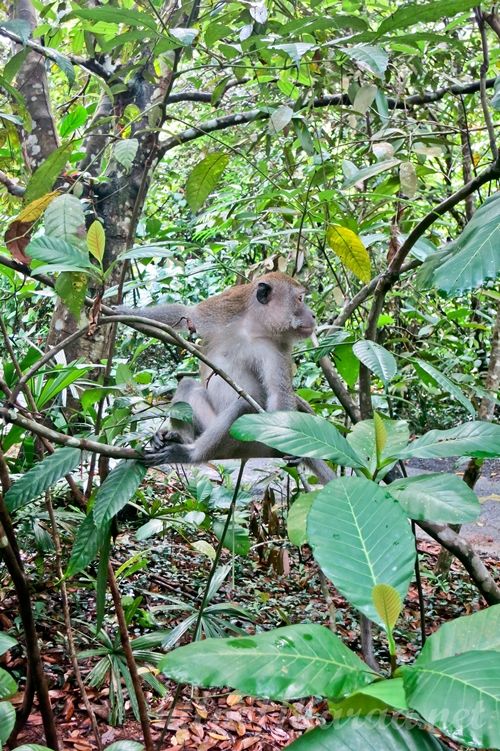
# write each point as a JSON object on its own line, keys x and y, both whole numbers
{"x": 248, "y": 331}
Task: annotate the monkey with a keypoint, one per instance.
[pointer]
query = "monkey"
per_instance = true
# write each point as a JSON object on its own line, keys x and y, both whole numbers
{"x": 248, "y": 331}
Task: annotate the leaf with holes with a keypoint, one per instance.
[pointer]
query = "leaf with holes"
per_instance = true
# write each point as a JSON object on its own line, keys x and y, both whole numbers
{"x": 203, "y": 179}
{"x": 361, "y": 537}
{"x": 282, "y": 664}
{"x": 42, "y": 476}
{"x": 348, "y": 247}
{"x": 377, "y": 359}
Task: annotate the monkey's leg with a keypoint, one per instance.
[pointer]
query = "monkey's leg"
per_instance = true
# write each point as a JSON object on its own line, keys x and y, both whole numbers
{"x": 193, "y": 392}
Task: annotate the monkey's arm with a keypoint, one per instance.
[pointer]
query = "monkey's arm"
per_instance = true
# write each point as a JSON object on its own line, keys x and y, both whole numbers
{"x": 173, "y": 314}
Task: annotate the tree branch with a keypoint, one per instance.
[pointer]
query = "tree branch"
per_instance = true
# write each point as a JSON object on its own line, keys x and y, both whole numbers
{"x": 12, "y": 186}
{"x": 88, "y": 64}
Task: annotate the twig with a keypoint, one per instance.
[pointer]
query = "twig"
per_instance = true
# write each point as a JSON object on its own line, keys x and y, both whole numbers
{"x": 485, "y": 64}
{"x": 12, "y": 186}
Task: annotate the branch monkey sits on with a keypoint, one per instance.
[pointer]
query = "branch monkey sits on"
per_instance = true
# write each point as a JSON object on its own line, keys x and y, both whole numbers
{"x": 248, "y": 331}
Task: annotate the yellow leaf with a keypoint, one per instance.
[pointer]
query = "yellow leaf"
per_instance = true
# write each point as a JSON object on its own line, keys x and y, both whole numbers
{"x": 388, "y": 603}
{"x": 36, "y": 208}
{"x": 380, "y": 433}
{"x": 96, "y": 240}
{"x": 348, "y": 247}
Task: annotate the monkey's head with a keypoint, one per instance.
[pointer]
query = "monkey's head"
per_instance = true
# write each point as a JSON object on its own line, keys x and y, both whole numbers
{"x": 284, "y": 312}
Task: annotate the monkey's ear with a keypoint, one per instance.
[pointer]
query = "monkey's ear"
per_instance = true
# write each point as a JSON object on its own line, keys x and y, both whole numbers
{"x": 263, "y": 292}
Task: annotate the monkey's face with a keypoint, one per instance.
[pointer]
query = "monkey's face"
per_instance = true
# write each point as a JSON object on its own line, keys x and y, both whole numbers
{"x": 285, "y": 314}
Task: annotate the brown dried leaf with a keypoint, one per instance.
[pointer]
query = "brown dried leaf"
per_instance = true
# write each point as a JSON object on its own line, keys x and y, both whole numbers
{"x": 17, "y": 238}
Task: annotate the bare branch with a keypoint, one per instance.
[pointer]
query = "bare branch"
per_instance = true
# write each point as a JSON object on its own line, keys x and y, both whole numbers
{"x": 88, "y": 64}
{"x": 485, "y": 64}
{"x": 12, "y": 186}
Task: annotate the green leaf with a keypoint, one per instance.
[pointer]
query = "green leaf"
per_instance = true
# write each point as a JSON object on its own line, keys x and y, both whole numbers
{"x": 71, "y": 286}
{"x": 470, "y": 260}
{"x": 102, "y": 579}
{"x": 44, "y": 177}
{"x": 6, "y": 642}
{"x": 283, "y": 664}
{"x": 280, "y": 118}
{"x": 387, "y": 603}
{"x": 377, "y": 359}
{"x": 64, "y": 218}
{"x": 370, "y": 57}
{"x": 124, "y": 151}
{"x": 73, "y": 120}
{"x": 363, "y": 440}
{"x": 348, "y": 247}
{"x": 297, "y": 434}
{"x": 7, "y": 720}
{"x": 460, "y": 695}
{"x": 360, "y": 537}
{"x": 65, "y": 65}
{"x": 184, "y": 36}
{"x": 477, "y": 632}
{"x": 478, "y": 439}
{"x": 117, "y": 490}
{"x": 371, "y": 733}
{"x": 296, "y": 523}
{"x": 495, "y": 100}
{"x": 411, "y": 13}
{"x": 203, "y": 179}
{"x": 18, "y": 26}
{"x": 125, "y": 746}
{"x": 57, "y": 252}
{"x": 371, "y": 171}
{"x": 439, "y": 379}
{"x": 8, "y": 686}
{"x": 115, "y": 15}
{"x": 42, "y": 476}
{"x": 96, "y": 240}
{"x": 32, "y": 747}
{"x": 89, "y": 539}
{"x": 440, "y": 497}
{"x": 237, "y": 539}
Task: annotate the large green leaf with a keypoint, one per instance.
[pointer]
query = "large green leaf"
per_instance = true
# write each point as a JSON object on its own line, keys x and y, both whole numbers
{"x": 362, "y": 440}
{"x": 477, "y": 632}
{"x": 297, "y": 434}
{"x": 366, "y": 172}
{"x": 6, "y": 642}
{"x": 124, "y": 151}
{"x": 42, "y": 476}
{"x": 426, "y": 369}
{"x": 117, "y": 490}
{"x": 477, "y": 439}
{"x": 377, "y": 359}
{"x": 470, "y": 260}
{"x": 369, "y": 734}
{"x": 296, "y": 523}
{"x": 412, "y": 13}
{"x": 361, "y": 537}
{"x": 125, "y": 746}
{"x": 58, "y": 254}
{"x": 436, "y": 497}
{"x": 369, "y": 56}
{"x": 89, "y": 539}
{"x": 7, "y": 720}
{"x": 203, "y": 179}
{"x": 8, "y": 686}
{"x": 283, "y": 664}
{"x": 64, "y": 218}
{"x": 115, "y": 15}
{"x": 460, "y": 695}
{"x": 44, "y": 177}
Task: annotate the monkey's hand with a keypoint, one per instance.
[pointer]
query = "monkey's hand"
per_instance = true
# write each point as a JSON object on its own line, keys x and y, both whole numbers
{"x": 292, "y": 461}
{"x": 167, "y": 448}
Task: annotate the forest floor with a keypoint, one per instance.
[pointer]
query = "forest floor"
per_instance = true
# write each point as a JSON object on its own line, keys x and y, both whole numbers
{"x": 275, "y": 592}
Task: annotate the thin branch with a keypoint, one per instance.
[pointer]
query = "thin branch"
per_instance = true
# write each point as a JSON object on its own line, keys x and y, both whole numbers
{"x": 328, "y": 100}
{"x": 88, "y": 64}
{"x": 12, "y": 186}
{"x": 485, "y": 64}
